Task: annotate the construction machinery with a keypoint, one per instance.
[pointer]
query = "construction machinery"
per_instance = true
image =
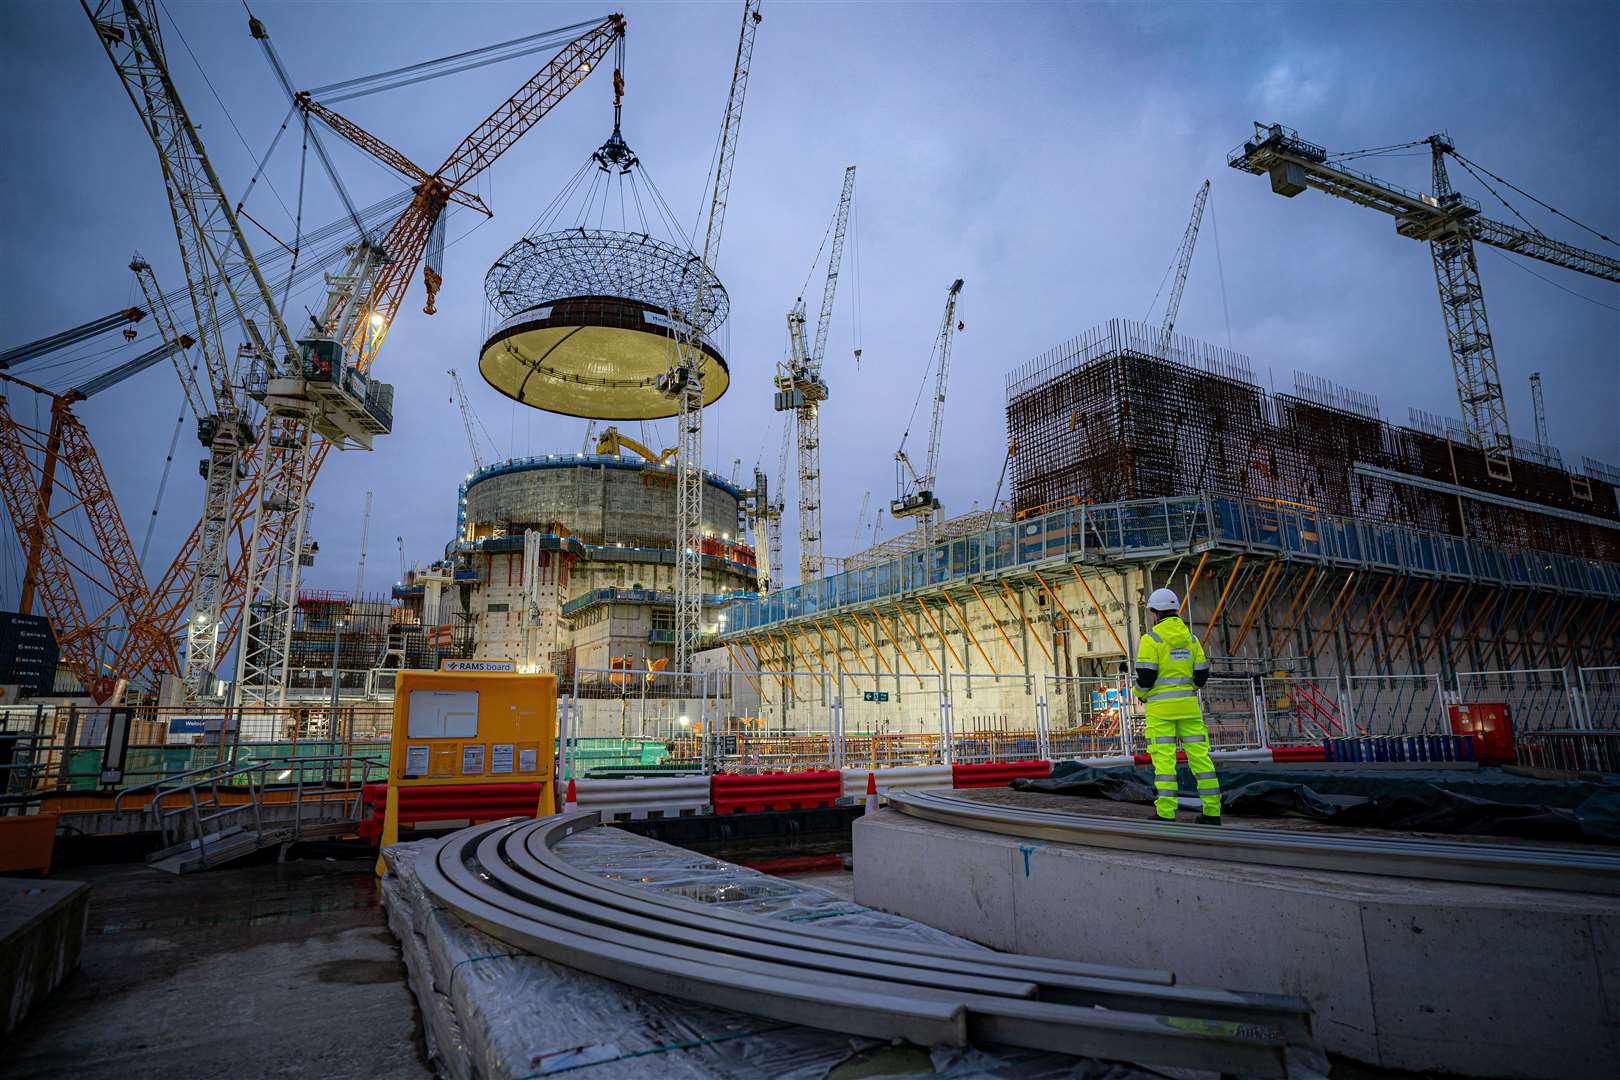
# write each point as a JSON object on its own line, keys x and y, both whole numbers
{"x": 612, "y": 441}
{"x": 466, "y": 419}
{"x": 765, "y": 526}
{"x": 801, "y": 390}
{"x": 915, "y": 489}
{"x": 1538, "y": 408}
{"x": 315, "y": 392}
{"x": 1451, "y": 222}
{"x": 1184, "y": 254}
{"x": 684, "y": 379}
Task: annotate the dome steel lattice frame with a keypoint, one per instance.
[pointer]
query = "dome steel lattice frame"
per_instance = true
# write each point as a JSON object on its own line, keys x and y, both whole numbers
{"x": 601, "y": 262}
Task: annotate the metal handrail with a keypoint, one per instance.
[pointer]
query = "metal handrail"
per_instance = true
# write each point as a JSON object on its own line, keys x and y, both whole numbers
{"x": 255, "y": 788}
{"x": 160, "y": 781}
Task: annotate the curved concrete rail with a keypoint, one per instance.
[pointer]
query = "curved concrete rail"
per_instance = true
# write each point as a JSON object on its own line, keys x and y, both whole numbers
{"x": 506, "y": 880}
{"x": 1521, "y": 866}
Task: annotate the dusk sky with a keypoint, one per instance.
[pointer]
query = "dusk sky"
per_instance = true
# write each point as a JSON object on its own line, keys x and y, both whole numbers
{"x": 1046, "y": 153}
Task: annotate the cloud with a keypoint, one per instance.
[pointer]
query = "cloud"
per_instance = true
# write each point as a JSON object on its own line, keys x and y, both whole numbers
{"x": 1286, "y": 90}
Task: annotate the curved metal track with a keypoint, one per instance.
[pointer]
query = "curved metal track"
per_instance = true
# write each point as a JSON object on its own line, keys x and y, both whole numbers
{"x": 506, "y": 880}
{"x": 1521, "y": 866}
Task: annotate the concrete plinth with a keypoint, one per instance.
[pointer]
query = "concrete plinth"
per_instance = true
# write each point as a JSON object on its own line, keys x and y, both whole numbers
{"x": 41, "y": 935}
{"x": 1471, "y": 979}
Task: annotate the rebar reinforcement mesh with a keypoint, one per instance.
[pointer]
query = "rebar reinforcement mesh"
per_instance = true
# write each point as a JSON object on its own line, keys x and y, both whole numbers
{"x": 1114, "y": 415}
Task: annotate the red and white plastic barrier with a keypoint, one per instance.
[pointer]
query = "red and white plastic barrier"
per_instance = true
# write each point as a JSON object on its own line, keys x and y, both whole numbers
{"x": 644, "y": 796}
{"x": 998, "y": 773}
{"x": 734, "y": 793}
{"x": 902, "y": 778}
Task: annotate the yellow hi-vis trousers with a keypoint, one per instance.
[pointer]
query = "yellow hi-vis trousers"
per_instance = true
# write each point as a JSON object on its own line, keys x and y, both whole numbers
{"x": 1162, "y": 736}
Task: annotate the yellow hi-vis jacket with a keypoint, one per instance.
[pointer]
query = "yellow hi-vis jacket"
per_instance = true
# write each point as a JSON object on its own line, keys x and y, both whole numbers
{"x": 1171, "y": 654}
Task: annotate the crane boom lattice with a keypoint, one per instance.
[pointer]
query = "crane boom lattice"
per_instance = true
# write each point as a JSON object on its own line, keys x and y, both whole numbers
{"x": 1451, "y": 223}
{"x": 1184, "y": 255}
{"x": 684, "y": 381}
{"x": 280, "y": 456}
{"x": 801, "y": 389}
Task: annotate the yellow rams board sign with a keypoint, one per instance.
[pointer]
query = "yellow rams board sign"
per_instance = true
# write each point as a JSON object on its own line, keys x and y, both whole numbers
{"x": 462, "y": 728}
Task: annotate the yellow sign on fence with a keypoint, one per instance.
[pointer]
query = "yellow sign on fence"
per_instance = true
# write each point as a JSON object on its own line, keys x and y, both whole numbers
{"x": 468, "y": 734}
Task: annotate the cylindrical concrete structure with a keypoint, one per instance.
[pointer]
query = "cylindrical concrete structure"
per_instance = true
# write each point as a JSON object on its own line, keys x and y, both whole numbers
{"x": 566, "y": 563}
{"x": 596, "y": 499}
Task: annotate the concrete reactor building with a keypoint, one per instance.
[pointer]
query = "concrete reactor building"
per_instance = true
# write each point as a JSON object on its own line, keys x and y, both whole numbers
{"x": 566, "y": 562}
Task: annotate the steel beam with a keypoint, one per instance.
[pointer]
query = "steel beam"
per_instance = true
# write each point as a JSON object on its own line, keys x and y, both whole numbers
{"x": 506, "y": 880}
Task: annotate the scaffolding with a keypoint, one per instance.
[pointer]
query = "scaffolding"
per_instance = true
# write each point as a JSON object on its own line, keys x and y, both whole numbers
{"x": 1108, "y": 417}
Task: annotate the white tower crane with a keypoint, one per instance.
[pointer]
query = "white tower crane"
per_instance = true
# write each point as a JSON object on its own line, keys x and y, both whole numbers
{"x": 1184, "y": 256}
{"x": 467, "y": 419}
{"x": 800, "y": 389}
{"x": 915, "y": 490}
{"x": 684, "y": 380}
{"x": 1451, "y": 222}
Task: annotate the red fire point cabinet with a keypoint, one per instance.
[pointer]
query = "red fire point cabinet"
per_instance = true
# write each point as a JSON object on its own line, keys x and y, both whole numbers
{"x": 1492, "y": 729}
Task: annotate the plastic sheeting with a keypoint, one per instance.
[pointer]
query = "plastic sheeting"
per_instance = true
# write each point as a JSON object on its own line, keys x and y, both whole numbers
{"x": 490, "y": 1012}
{"x": 1486, "y": 802}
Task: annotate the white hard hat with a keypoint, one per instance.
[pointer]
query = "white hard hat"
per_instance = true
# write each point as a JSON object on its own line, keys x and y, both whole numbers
{"x": 1163, "y": 600}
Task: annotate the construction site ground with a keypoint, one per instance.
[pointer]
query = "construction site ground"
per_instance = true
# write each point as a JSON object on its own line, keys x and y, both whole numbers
{"x": 266, "y": 970}
{"x": 287, "y": 969}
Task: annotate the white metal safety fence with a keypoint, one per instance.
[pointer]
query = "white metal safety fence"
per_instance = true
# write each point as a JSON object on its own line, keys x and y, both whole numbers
{"x": 995, "y": 718}
{"x": 1304, "y": 709}
{"x": 1086, "y": 718}
{"x": 613, "y": 720}
{"x": 891, "y": 720}
{"x": 1538, "y": 699}
{"x": 1396, "y": 704}
{"x": 1599, "y": 689}
{"x": 1232, "y": 713}
{"x": 768, "y": 721}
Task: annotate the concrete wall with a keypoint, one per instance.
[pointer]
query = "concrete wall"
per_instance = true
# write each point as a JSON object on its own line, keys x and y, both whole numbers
{"x": 597, "y": 503}
{"x": 504, "y": 630}
{"x": 1476, "y": 980}
{"x": 1402, "y": 641}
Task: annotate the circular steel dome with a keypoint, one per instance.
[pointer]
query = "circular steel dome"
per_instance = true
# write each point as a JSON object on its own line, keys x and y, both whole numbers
{"x": 587, "y": 328}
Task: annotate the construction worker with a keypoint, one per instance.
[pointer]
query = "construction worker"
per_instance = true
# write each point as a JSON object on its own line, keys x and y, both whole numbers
{"x": 1170, "y": 667}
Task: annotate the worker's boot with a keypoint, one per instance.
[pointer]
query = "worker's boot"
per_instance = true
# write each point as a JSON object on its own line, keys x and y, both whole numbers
{"x": 1205, "y": 819}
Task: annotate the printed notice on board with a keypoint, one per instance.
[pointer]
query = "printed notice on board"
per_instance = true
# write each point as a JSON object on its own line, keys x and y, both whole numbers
{"x": 528, "y": 760}
{"x": 416, "y": 760}
{"x": 500, "y": 757}
{"x": 472, "y": 758}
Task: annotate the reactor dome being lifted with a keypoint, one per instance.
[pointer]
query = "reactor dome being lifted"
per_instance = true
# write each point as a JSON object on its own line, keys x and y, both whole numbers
{"x": 587, "y": 325}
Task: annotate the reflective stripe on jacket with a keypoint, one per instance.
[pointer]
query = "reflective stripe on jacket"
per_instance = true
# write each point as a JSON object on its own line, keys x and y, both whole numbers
{"x": 1170, "y": 651}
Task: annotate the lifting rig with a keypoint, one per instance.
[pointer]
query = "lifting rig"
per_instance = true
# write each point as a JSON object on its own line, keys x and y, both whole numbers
{"x": 318, "y": 394}
{"x": 915, "y": 491}
{"x": 800, "y": 390}
{"x": 1451, "y": 222}
{"x": 684, "y": 380}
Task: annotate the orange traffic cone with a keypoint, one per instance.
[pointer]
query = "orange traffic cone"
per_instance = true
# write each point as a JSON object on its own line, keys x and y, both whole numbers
{"x": 871, "y": 793}
{"x": 570, "y": 800}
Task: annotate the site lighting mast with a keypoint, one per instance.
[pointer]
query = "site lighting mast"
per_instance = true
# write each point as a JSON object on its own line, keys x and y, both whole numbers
{"x": 684, "y": 380}
{"x": 1451, "y": 222}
